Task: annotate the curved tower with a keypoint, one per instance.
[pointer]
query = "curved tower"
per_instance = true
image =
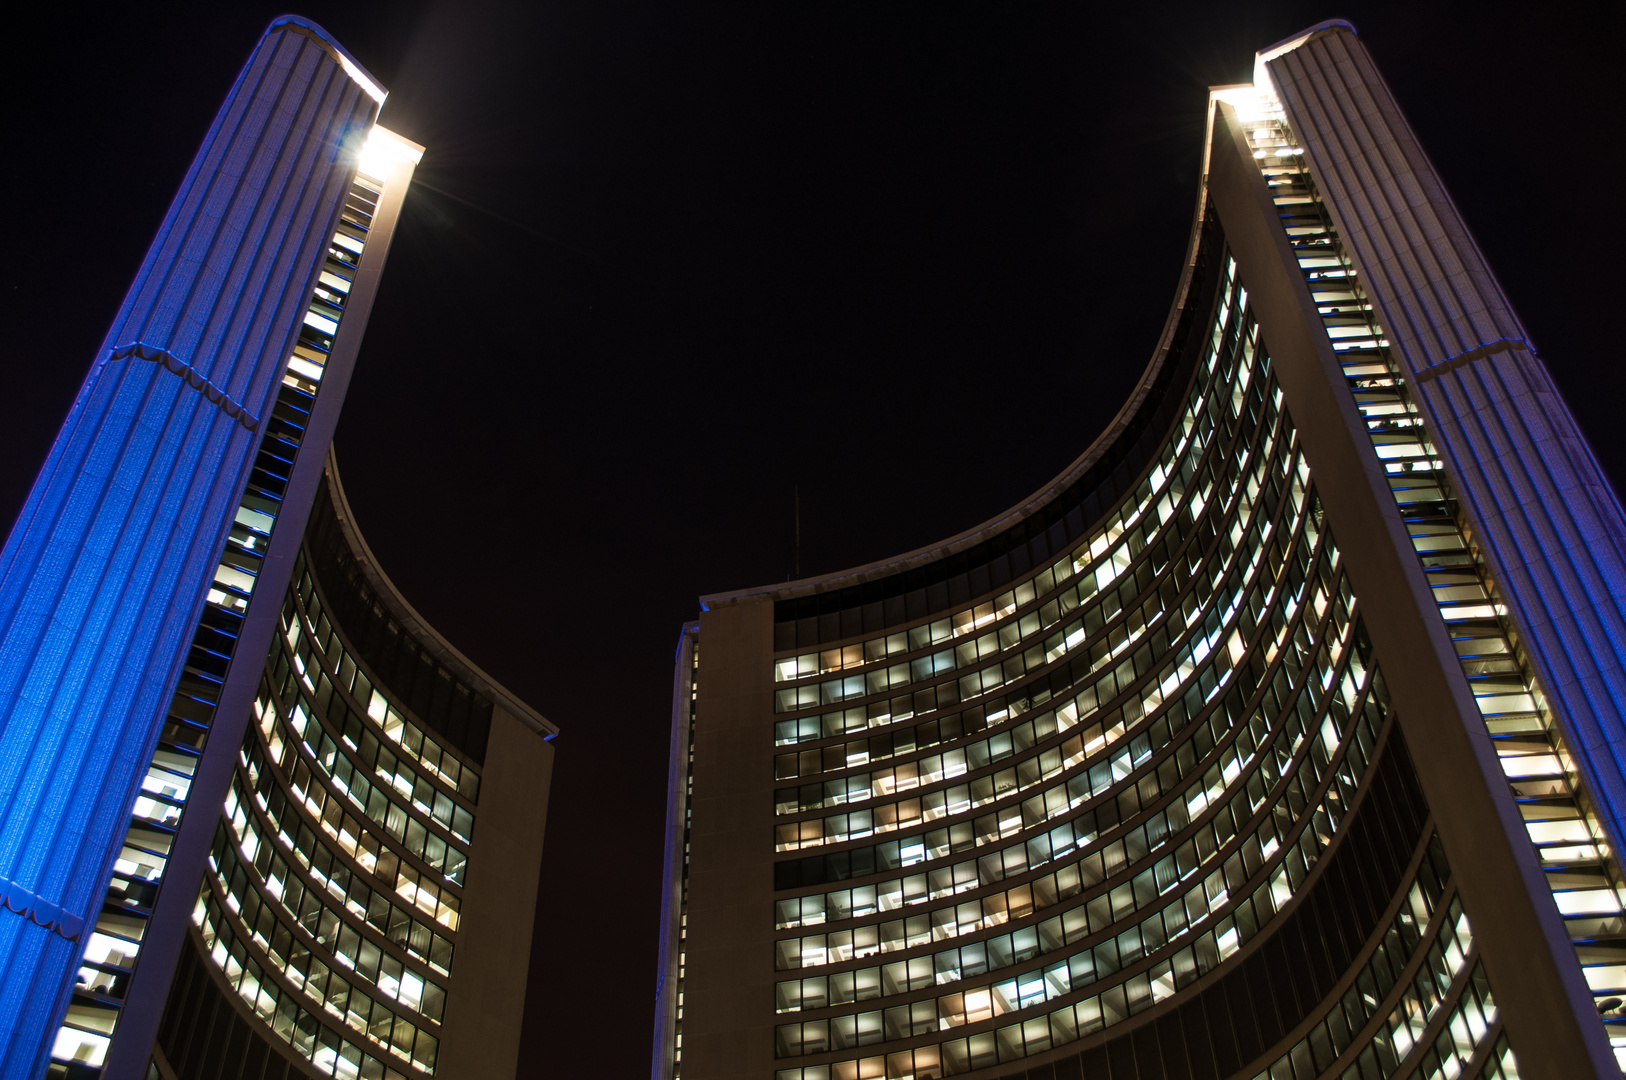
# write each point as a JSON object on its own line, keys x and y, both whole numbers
{"x": 372, "y": 876}
{"x": 1275, "y": 738}
{"x": 188, "y": 457}
{"x": 338, "y": 888}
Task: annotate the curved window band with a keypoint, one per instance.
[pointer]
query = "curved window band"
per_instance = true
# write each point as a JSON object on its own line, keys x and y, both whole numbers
{"x": 1176, "y": 678}
{"x": 887, "y": 1023}
{"x": 1364, "y": 872}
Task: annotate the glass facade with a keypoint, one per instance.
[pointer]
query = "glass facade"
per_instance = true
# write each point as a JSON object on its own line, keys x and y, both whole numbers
{"x": 1184, "y": 714}
{"x": 328, "y": 924}
{"x": 332, "y": 896}
{"x": 1140, "y": 781}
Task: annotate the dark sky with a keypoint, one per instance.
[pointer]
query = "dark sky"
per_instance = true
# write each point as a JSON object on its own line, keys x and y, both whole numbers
{"x": 670, "y": 264}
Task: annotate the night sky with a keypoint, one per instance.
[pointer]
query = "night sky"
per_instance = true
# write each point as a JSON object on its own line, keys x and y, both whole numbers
{"x": 668, "y": 266}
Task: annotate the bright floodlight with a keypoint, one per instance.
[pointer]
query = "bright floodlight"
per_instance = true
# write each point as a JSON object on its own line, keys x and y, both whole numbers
{"x": 382, "y": 150}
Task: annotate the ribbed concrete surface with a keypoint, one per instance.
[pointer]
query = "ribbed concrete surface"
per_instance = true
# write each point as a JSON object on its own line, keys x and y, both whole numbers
{"x": 1544, "y": 513}
{"x": 102, "y": 577}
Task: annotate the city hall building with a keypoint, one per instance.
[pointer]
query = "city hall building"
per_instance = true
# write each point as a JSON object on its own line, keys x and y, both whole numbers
{"x": 1279, "y": 737}
{"x": 259, "y": 820}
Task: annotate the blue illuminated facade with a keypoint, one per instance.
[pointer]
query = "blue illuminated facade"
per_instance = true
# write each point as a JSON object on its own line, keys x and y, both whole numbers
{"x": 206, "y": 412}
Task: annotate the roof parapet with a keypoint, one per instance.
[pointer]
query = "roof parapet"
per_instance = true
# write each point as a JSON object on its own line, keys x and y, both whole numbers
{"x": 1261, "y": 76}
{"x": 360, "y": 75}
{"x": 415, "y": 624}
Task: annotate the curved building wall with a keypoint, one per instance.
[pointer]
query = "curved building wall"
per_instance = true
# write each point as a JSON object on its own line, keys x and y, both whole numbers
{"x": 370, "y": 878}
{"x": 1177, "y": 770}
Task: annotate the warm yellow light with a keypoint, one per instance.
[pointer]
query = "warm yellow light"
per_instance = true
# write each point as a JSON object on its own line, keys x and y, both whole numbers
{"x": 383, "y": 150}
{"x": 1251, "y": 104}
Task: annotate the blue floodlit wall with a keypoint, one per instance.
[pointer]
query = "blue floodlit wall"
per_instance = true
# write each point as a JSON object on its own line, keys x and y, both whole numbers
{"x": 104, "y": 573}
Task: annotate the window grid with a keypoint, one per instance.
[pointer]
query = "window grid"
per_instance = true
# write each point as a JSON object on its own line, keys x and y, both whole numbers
{"x": 1414, "y": 971}
{"x": 355, "y": 771}
{"x": 1228, "y": 763}
{"x": 1120, "y": 617}
{"x": 1388, "y": 946}
{"x": 267, "y": 994}
{"x": 1290, "y": 814}
{"x": 261, "y": 865}
{"x": 1118, "y": 670}
{"x": 1236, "y": 361}
{"x": 342, "y": 668}
{"x": 1583, "y": 873}
{"x": 1096, "y": 564}
{"x": 306, "y": 837}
